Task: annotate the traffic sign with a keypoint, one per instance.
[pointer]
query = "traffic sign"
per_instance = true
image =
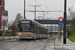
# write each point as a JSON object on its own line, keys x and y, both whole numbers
{"x": 60, "y": 23}
{"x": 60, "y": 19}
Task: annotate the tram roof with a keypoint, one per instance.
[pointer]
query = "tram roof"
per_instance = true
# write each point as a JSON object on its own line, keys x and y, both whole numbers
{"x": 35, "y": 22}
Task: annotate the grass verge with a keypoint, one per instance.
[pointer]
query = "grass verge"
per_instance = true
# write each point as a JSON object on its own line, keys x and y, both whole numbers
{"x": 4, "y": 39}
{"x": 71, "y": 38}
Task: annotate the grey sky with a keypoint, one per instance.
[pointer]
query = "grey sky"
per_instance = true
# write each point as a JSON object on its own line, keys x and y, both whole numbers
{"x": 17, "y": 6}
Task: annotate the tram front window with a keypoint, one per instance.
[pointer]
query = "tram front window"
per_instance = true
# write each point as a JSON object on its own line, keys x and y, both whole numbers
{"x": 25, "y": 27}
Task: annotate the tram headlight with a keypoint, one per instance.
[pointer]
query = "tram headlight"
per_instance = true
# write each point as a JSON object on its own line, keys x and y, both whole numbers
{"x": 19, "y": 33}
{"x": 30, "y": 33}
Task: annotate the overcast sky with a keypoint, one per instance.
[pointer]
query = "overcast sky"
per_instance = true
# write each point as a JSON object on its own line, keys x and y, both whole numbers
{"x": 17, "y": 6}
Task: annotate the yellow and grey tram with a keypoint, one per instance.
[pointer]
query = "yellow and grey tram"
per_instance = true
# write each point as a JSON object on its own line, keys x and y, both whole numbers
{"x": 30, "y": 29}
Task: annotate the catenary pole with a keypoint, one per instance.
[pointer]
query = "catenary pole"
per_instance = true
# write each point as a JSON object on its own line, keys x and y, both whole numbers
{"x": 64, "y": 36}
{"x": 35, "y": 10}
{"x": 43, "y": 16}
{"x": 24, "y": 9}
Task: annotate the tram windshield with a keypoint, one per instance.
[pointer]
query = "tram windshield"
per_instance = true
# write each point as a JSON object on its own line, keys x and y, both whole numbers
{"x": 25, "y": 27}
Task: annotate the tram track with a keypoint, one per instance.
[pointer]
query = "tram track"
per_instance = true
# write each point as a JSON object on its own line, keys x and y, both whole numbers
{"x": 48, "y": 41}
{"x": 39, "y": 44}
{"x": 30, "y": 46}
{"x": 44, "y": 48}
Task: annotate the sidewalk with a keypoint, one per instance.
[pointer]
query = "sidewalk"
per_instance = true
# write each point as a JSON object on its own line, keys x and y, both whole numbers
{"x": 9, "y": 37}
{"x": 68, "y": 46}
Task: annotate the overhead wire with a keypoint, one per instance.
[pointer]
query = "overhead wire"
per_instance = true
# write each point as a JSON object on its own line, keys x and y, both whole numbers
{"x": 37, "y": 4}
{"x": 28, "y": 5}
{"x": 46, "y": 5}
{"x": 53, "y": 8}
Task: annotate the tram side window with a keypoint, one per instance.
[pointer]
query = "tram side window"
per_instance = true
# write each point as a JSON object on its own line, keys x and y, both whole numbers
{"x": 41, "y": 30}
{"x": 47, "y": 31}
{"x": 33, "y": 28}
{"x": 44, "y": 31}
{"x": 38, "y": 30}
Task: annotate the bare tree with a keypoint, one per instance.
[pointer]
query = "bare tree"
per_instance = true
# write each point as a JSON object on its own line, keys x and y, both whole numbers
{"x": 18, "y": 17}
{"x": 71, "y": 16}
{"x": 13, "y": 24}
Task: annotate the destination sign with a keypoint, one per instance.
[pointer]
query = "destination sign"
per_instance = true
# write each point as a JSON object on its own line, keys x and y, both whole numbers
{"x": 25, "y": 21}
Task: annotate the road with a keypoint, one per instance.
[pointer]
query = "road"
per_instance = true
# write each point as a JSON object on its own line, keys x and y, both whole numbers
{"x": 39, "y": 44}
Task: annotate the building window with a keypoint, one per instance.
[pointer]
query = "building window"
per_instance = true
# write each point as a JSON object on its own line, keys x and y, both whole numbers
{"x": 6, "y": 22}
{"x": 3, "y": 3}
{"x": 6, "y": 14}
{"x": 2, "y": 22}
{"x": 0, "y": 2}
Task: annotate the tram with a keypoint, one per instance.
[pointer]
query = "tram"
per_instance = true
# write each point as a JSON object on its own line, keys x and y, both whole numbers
{"x": 30, "y": 29}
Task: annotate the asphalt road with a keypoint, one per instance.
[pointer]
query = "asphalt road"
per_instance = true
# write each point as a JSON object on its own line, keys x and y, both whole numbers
{"x": 39, "y": 44}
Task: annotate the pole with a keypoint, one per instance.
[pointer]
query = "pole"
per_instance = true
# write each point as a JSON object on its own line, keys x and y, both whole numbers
{"x": 43, "y": 19}
{"x": 3, "y": 29}
{"x": 60, "y": 32}
{"x": 24, "y": 9}
{"x": 35, "y": 12}
{"x": 47, "y": 25}
{"x": 64, "y": 37}
{"x": 55, "y": 29}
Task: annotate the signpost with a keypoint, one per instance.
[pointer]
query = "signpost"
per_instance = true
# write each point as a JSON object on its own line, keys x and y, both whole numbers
{"x": 4, "y": 29}
{"x": 60, "y": 23}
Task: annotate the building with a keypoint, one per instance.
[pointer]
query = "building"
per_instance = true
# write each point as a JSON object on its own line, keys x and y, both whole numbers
{"x": 3, "y": 16}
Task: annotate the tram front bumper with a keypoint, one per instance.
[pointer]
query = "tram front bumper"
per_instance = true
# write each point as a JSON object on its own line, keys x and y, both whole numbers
{"x": 25, "y": 37}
